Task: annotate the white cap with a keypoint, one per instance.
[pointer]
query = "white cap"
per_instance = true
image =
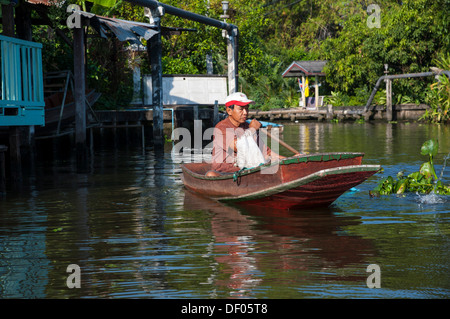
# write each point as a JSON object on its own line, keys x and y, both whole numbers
{"x": 237, "y": 98}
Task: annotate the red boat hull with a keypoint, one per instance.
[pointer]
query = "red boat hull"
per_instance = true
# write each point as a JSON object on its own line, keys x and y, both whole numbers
{"x": 321, "y": 192}
{"x": 301, "y": 181}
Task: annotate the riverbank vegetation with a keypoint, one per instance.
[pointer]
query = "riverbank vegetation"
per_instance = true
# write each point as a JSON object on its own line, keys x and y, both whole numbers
{"x": 357, "y": 41}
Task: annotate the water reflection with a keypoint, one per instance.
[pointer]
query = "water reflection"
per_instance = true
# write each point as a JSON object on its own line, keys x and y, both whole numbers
{"x": 251, "y": 244}
{"x": 385, "y": 142}
{"x": 23, "y": 256}
{"x": 137, "y": 233}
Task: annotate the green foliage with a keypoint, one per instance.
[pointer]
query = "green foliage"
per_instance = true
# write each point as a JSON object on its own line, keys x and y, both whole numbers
{"x": 57, "y": 54}
{"x": 438, "y": 94}
{"x": 272, "y": 34}
{"x": 424, "y": 181}
{"x": 403, "y": 99}
{"x": 416, "y": 182}
{"x": 340, "y": 99}
{"x": 410, "y": 36}
{"x": 109, "y": 62}
{"x": 336, "y": 99}
{"x": 348, "y": 67}
{"x": 380, "y": 97}
{"x": 104, "y": 3}
{"x": 273, "y": 91}
{"x": 429, "y": 148}
{"x": 178, "y": 66}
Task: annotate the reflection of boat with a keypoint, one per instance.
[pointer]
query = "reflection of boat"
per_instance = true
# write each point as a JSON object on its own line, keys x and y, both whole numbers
{"x": 294, "y": 182}
{"x": 308, "y": 240}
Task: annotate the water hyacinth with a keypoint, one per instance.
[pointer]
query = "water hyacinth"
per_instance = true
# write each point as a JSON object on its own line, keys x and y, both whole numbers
{"x": 425, "y": 181}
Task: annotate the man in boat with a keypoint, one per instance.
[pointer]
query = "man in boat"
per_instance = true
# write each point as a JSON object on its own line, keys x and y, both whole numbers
{"x": 227, "y": 131}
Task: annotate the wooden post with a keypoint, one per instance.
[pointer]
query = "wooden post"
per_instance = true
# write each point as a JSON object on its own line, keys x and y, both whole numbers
{"x": 232, "y": 61}
{"x": 80, "y": 94}
{"x": 23, "y": 23}
{"x": 14, "y": 131}
{"x": 329, "y": 112}
{"x": 143, "y": 136}
{"x": 24, "y": 32}
{"x": 137, "y": 99}
{"x": 8, "y": 20}
{"x": 389, "y": 115}
{"x": 3, "y": 149}
{"x": 198, "y": 133}
{"x": 14, "y": 153}
{"x": 209, "y": 64}
{"x": 303, "y": 93}
{"x": 317, "y": 92}
{"x": 216, "y": 113}
{"x": 154, "y": 50}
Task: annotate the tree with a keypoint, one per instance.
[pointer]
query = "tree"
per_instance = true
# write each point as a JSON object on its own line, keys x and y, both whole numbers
{"x": 273, "y": 33}
{"x": 410, "y": 36}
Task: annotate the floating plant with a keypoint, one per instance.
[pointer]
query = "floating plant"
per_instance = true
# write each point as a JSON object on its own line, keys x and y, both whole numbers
{"x": 425, "y": 181}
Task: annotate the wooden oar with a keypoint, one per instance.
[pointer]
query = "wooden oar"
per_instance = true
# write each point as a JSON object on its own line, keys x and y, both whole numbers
{"x": 293, "y": 150}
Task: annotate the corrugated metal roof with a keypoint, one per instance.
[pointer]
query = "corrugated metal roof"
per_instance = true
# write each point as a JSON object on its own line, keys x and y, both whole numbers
{"x": 124, "y": 30}
{"x": 305, "y": 68}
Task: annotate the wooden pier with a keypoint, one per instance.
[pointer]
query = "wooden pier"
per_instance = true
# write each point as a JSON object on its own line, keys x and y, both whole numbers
{"x": 405, "y": 112}
{"x": 175, "y": 116}
{"x": 185, "y": 115}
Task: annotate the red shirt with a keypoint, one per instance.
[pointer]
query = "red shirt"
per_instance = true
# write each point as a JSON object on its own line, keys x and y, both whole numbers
{"x": 223, "y": 157}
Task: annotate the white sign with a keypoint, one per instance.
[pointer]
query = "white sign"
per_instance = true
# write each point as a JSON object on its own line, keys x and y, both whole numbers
{"x": 182, "y": 90}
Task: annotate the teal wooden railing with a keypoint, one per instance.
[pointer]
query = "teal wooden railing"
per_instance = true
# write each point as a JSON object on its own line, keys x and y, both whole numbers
{"x": 21, "y": 89}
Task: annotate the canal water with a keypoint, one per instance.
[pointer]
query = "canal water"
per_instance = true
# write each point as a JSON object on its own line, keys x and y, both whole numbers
{"x": 134, "y": 231}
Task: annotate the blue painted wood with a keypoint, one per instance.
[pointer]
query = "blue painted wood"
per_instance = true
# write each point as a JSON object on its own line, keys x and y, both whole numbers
{"x": 22, "y": 88}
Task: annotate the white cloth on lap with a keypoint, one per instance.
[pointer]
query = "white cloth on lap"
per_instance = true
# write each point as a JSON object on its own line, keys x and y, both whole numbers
{"x": 248, "y": 153}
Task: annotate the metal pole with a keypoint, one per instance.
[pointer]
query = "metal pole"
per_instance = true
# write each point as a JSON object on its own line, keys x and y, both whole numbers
{"x": 399, "y": 76}
{"x": 232, "y": 30}
{"x": 317, "y": 92}
{"x": 152, "y": 4}
{"x": 232, "y": 65}
{"x": 303, "y": 92}
{"x": 388, "y": 95}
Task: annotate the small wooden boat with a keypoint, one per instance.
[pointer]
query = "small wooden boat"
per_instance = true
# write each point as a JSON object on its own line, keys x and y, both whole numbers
{"x": 59, "y": 101}
{"x": 57, "y": 111}
{"x": 311, "y": 180}
{"x": 59, "y": 115}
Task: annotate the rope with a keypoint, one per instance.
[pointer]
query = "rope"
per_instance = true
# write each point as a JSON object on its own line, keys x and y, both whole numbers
{"x": 237, "y": 174}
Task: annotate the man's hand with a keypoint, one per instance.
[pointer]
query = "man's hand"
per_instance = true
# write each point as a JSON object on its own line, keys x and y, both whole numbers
{"x": 255, "y": 124}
